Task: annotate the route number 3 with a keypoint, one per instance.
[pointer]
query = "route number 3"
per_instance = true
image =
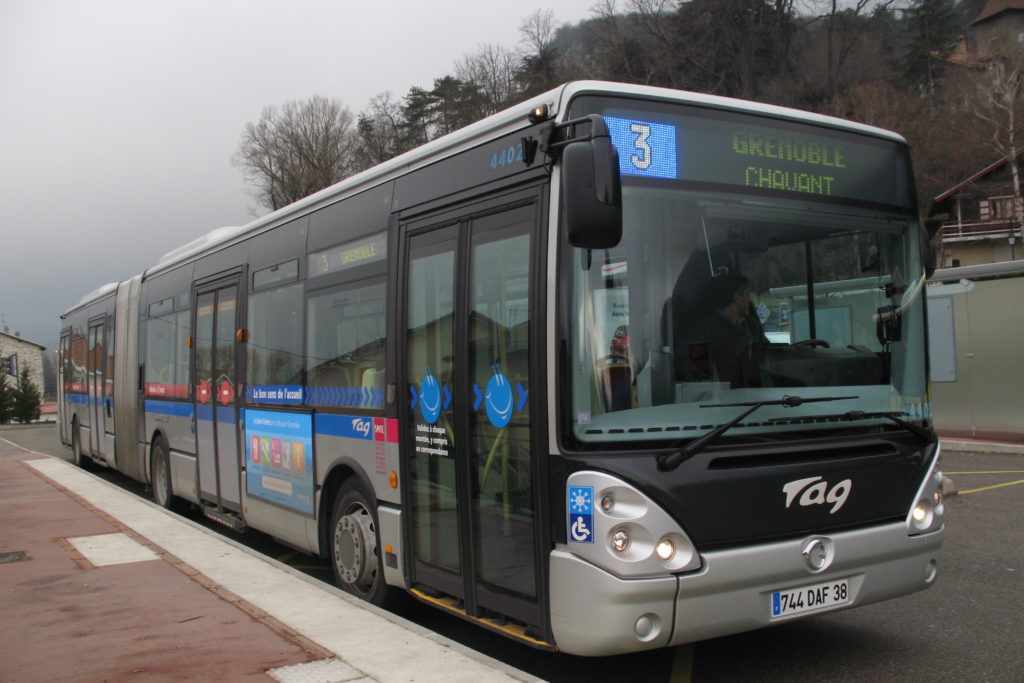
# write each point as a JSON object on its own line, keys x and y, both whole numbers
{"x": 642, "y": 158}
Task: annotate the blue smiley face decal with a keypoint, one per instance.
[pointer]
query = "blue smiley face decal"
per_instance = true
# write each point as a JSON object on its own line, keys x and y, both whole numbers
{"x": 498, "y": 399}
{"x": 430, "y": 398}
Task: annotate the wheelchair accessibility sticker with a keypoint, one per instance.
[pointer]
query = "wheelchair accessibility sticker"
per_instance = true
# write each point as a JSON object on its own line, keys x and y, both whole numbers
{"x": 581, "y": 514}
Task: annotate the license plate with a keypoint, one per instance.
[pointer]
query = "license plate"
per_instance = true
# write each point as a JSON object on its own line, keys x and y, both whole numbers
{"x": 809, "y": 598}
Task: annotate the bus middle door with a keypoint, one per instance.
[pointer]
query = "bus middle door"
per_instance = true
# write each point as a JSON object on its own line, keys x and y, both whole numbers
{"x": 215, "y": 363}
{"x": 97, "y": 363}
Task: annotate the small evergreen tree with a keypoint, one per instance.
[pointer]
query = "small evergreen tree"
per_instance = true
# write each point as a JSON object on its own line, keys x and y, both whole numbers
{"x": 27, "y": 399}
{"x": 6, "y": 399}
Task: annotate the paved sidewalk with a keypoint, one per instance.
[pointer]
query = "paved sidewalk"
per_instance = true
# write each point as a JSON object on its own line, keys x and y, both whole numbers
{"x": 980, "y": 446}
{"x": 99, "y": 585}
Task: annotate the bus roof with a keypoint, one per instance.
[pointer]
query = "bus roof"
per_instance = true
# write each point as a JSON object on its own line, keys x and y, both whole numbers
{"x": 504, "y": 122}
{"x": 95, "y": 295}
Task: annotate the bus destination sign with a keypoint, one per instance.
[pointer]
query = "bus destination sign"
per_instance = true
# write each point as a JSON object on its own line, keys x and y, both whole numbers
{"x": 747, "y": 152}
{"x": 349, "y": 255}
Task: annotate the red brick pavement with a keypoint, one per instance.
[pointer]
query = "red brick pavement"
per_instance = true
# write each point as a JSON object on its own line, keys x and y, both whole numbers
{"x": 62, "y": 619}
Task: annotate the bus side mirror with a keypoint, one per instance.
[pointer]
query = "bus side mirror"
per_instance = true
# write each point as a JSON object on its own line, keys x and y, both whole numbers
{"x": 592, "y": 193}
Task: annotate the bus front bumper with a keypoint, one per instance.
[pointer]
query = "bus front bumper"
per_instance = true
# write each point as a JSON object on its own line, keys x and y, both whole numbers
{"x": 595, "y": 613}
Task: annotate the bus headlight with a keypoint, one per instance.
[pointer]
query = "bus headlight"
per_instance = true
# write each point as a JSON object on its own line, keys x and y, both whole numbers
{"x": 616, "y": 527}
{"x": 928, "y": 510}
{"x": 620, "y": 541}
{"x": 921, "y": 514}
{"x": 665, "y": 550}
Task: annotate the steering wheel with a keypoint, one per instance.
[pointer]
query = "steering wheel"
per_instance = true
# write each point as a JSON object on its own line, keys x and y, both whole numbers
{"x": 613, "y": 361}
{"x": 812, "y": 343}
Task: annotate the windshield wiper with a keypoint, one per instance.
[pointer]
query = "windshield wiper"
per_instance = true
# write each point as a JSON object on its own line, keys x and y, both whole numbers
{"x": 670, "y": 461}
{"x": 922, "y": 434}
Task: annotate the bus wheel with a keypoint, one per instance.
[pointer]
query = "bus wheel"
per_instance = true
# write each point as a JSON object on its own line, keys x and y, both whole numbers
{"x": 80, "y": 459}
{"x": 355, "y": 556}
{"x": 160, "y": 474}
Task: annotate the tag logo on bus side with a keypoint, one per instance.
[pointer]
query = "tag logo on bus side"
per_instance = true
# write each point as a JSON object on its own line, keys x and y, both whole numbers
{"x": 581, "y": 514}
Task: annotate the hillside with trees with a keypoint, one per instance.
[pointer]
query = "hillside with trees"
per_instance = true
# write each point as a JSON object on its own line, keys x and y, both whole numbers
{"x": 882, "y": 63}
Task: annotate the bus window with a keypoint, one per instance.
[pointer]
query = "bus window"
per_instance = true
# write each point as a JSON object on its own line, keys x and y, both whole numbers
{"x": 167, "y": 356}
{"x": 275, "y": 343}
{"x": 346, "y": 347}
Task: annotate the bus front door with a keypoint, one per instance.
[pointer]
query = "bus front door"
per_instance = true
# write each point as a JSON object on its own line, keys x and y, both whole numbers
{"x": 215, "y": 363}
{"x": 469, "y": 452}
{"x": 64, "y": 382}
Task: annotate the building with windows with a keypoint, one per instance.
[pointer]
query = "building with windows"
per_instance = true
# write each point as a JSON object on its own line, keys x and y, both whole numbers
{"x": 19, "y": 353}
{"x": 980, "y": 218}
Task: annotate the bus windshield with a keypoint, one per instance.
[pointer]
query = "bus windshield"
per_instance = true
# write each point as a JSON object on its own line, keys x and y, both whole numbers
{"x": 724, "y": 293}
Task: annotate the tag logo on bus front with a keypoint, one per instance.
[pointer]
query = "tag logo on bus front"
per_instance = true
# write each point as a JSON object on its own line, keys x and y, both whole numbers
{"x": 816, "y": 491}
{"x": 581, "y": 514}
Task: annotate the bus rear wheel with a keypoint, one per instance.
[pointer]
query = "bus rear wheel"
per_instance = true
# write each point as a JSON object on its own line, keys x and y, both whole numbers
{"x": 80, "y": 459}
{"x": 160, "y": 474}
{"x": 355, "y": 554}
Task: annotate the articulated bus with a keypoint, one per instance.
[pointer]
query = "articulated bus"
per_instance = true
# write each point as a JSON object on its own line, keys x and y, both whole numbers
{"x": 482, "y": 373}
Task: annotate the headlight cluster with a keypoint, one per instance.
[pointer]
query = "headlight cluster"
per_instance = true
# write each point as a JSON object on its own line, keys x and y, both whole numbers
{"x": 632, "y": 536}
{"x": 928, "y": 510}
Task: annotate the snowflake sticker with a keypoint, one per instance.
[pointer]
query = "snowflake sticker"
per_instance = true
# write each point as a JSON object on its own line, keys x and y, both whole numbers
{"x": 581, "y": 499}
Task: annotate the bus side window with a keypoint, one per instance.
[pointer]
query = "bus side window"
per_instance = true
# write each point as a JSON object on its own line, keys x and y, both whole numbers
{"x": 345, "y": 346}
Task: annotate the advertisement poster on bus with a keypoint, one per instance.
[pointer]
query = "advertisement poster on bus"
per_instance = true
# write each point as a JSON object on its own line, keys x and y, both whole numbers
{"x": 279, "y": 458}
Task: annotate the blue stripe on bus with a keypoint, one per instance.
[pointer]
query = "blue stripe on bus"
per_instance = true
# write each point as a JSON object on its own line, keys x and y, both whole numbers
{"x": 174, "y": 408}
{"x": 86, "y": 399}
{"x": 224, "y": 414}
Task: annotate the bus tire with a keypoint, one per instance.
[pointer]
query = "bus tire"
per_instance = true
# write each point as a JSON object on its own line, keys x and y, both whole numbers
{"x": 354, "y": 551}
{"x": 160, "y": 474}
{"x": 77, "y": 456}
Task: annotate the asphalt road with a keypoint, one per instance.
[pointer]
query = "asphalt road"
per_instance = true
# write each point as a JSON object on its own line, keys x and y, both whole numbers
{"x": 968, "y": 626}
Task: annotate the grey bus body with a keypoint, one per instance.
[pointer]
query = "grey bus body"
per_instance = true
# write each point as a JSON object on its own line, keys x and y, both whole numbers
{"x": 411, "y": 367}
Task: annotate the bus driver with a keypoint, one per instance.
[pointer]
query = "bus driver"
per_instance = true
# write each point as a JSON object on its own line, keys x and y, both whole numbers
{"x": 723, "y": 345}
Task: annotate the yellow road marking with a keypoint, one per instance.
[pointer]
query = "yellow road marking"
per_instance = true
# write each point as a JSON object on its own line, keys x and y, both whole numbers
{"x": 682, "y": 664}
{"x": 287, "y": 556}
{"x": 988, "y": 472}
{"x": 994, "y": 486}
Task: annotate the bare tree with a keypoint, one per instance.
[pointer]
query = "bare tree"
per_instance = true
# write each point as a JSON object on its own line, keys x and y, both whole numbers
{"x": 997, "y": 101}
{"x": 841, "y": 46}
{"x": 493, "y": 69}
{"x": 538, "y": 30}
{"x": 295, "y": 151}
{"x": 735, "y": 46}
{"x": 380, "y": 129}
{"x": 540, "y": 66}
{"x": 619, "y": 55}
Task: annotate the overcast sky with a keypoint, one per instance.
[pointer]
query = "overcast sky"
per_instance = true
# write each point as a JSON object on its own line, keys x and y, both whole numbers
{"x": 118, "y": 118}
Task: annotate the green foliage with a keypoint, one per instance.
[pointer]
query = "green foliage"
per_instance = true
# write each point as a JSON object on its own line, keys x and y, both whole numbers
{"x": 6, "y": 399}
{"x": 28, "y": 401}
{"x": 932, "y": 27}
